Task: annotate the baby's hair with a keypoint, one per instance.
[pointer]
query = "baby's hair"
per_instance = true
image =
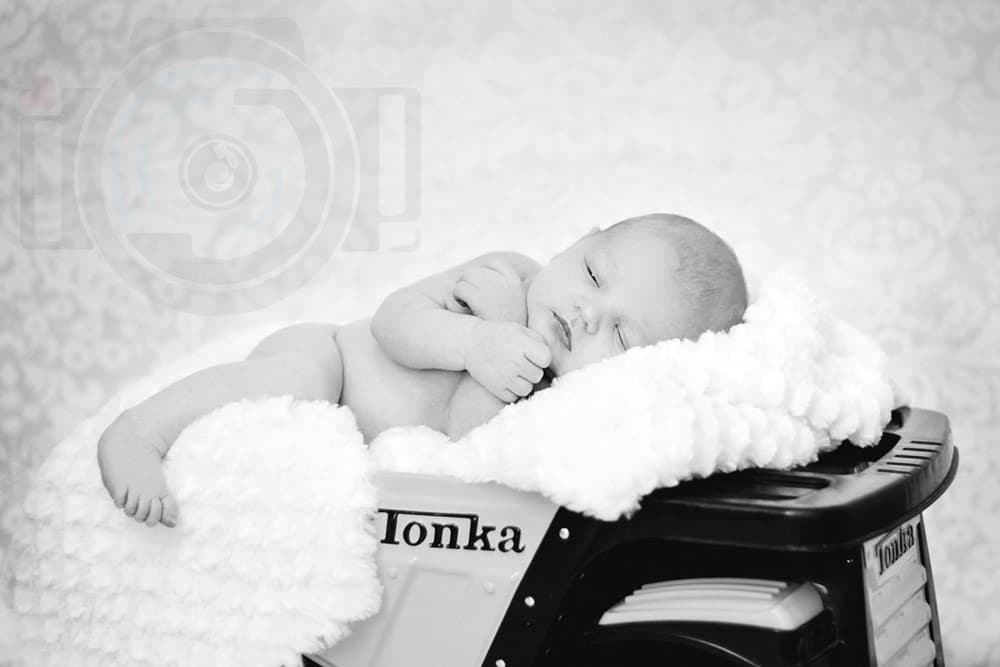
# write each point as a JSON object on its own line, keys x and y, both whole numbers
{"x": 709, "y": 272}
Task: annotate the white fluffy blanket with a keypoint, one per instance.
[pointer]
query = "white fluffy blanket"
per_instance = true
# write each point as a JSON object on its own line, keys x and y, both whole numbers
{"x": 274, "y": 553}
{"x": 790, "y": 382}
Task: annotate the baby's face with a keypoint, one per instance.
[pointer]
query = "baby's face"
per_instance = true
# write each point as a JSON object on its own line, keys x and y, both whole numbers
{"x": 605, "y": 294}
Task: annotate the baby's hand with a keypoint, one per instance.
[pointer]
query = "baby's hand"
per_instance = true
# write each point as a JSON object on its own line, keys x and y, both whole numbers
{"x": 492, "y": 292}
{"x": 130, "y": 462}
{"x": 507, "y": 359}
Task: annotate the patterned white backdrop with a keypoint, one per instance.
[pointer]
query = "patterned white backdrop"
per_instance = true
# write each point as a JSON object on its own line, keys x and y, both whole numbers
{"x": 858, "y": 140}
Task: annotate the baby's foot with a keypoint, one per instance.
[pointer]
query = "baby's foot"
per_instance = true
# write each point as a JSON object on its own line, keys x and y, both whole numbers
{"x": 132, "y": 473}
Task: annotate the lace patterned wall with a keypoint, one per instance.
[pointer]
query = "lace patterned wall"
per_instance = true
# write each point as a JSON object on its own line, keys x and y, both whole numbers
{"x": 858, "y": 140}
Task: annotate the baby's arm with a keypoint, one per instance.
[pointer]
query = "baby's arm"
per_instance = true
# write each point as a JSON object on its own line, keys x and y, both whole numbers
{"x": 302, "y": 360}
{"x": 471, "y": 404}
{"x": 423, "y": 326}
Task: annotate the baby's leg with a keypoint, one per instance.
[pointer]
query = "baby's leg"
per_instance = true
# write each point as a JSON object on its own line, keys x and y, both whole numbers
{"x": 302, "y": 360}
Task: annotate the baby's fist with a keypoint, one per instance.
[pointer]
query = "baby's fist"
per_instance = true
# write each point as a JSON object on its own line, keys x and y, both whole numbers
{"x": 507, "y": 359}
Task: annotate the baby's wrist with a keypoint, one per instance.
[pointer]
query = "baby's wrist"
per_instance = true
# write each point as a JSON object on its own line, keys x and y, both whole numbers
{"x": 470, "y": 341}
{"x": 522, "y": 315}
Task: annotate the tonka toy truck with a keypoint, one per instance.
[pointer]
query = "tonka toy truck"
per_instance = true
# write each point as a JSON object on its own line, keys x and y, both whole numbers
{"x": 825, "y": 565}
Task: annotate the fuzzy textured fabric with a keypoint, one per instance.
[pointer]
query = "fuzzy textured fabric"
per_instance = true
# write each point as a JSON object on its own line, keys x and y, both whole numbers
{"x": 275, "y": 549}
{"x": 272, "y": 557}
{"x": 789, "y": 382}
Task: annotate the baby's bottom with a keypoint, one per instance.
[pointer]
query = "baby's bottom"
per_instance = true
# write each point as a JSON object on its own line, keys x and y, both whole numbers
{"x": 316, "y": 340}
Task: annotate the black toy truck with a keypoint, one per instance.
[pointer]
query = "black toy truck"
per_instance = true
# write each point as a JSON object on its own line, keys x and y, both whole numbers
{"x": 822, "y": 566}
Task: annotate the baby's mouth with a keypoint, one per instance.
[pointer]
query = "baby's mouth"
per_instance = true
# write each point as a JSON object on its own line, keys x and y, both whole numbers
{"x": 563, "y": 331}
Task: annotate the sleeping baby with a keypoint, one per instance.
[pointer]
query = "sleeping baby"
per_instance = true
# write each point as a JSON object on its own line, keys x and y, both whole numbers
{"x": 449, "y": 351}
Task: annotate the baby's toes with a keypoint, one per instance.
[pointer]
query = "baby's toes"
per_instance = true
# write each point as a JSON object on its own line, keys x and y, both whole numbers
{"x": 169, "y": 511}
{"x": 155, "y": 509}
{"x": 118, "y": 495}
{"x": 142, "y": 510}
{"x": 131, "y": 501}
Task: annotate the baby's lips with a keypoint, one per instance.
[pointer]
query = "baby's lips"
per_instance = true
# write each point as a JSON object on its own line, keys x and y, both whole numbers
{"x": 561, "y": 334}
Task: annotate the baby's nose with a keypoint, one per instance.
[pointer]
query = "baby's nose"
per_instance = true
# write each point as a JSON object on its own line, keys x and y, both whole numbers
{"x": 588, "y": 317}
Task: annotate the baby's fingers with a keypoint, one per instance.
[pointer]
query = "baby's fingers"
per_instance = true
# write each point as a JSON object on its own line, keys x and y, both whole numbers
{"x": 530, "y": 372}
{"x": 456, "y": 305}
{"x": 507, "y": 396}
{"x": 520, "y": 386}
{"x": 464, "y": 291}
{"x": 476, "y": 275}
{"x": 537, "y": 352}
{"x": 503, "y": 393}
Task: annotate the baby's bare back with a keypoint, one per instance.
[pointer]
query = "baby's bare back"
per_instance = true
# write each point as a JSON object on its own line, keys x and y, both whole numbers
{"x": 382, "y": 393}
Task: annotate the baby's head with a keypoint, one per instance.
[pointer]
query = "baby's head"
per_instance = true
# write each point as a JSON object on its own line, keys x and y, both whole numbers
{"x": 640, "y": 281}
